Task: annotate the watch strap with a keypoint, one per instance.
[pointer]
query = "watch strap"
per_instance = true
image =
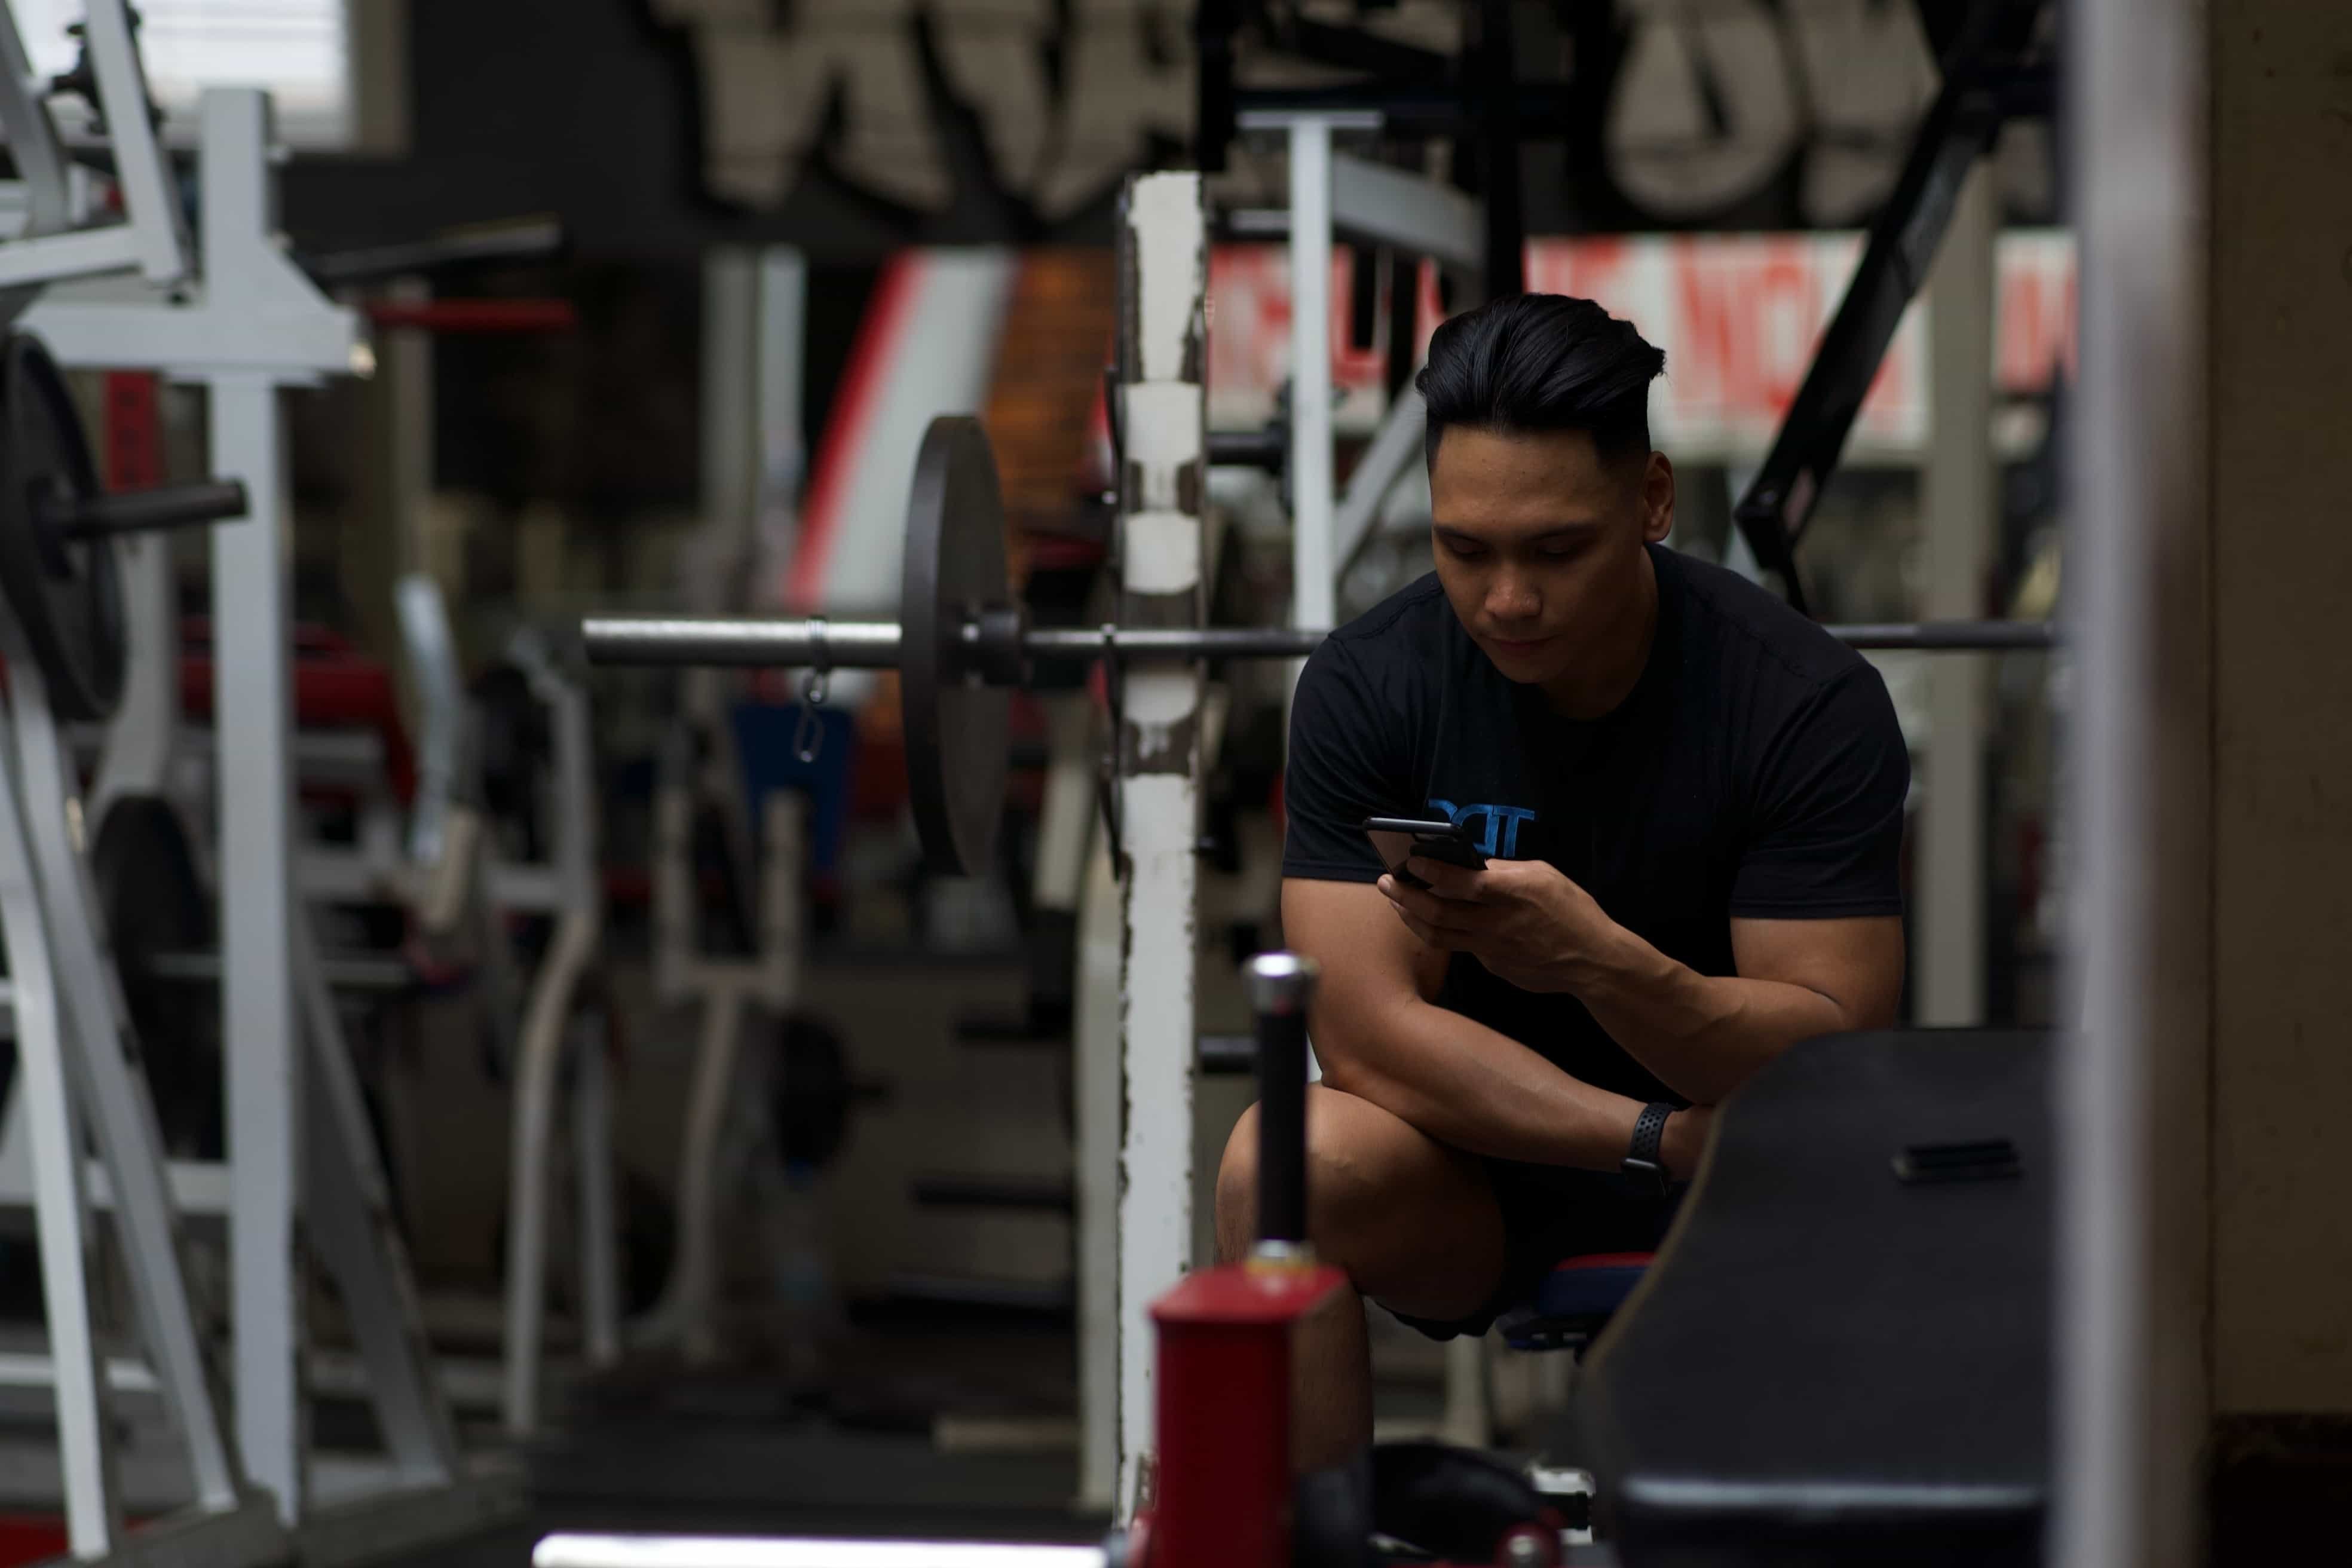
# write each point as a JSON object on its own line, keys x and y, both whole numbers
{"x": 1643, "y": 1165}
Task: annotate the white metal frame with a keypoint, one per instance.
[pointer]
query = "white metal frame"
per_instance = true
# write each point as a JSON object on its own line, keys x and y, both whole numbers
{"x": 1395, "y": 450}
{"x": 78, "y": 1075}
{"x": 57, "y": 242}
{"x": 251, "y": 325}
{"x": 1959, "y": 486}
{"x": 550, "y": 1023}
{"x": 1162, "y": 552}
{"x": 721, "y": 1137}
{"x": 463, "y": 881}
{"x": 1331, "y": 191}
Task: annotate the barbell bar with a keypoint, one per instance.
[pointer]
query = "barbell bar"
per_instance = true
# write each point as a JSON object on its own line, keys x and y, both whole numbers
{"x": 815, "y": 642}
{"x": 961, "y": 644}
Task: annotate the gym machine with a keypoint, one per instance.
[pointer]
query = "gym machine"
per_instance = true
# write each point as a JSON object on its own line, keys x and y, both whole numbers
{"x": 243, "y": 323}
{"x": 455, "y": 883}
{"x": 445, "y": 872}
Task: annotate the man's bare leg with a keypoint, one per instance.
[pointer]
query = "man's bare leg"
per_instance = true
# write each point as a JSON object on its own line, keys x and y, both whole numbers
{"x": 1411, "y": 1221}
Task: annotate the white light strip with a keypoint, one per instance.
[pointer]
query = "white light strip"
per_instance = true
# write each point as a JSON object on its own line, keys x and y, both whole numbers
{"x": 779, "y": 1551}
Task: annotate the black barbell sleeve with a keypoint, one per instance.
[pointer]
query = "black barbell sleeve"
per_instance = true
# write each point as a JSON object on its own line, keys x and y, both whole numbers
{"x": 1268, "y": 448}
{"x": 153, "y": 510}
{"x": 1280, "y": 988}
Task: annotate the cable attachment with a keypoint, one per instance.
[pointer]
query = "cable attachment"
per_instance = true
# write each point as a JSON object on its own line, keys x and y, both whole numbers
{"x": 808, "y": 733}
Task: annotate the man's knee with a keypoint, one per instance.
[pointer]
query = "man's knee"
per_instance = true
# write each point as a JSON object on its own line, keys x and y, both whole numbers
{"x": 1237, "y": 1190}
{"x": 1345, "y": 1168}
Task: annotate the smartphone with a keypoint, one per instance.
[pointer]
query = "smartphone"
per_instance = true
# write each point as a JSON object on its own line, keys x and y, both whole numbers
{"x": 1397, "y": 837}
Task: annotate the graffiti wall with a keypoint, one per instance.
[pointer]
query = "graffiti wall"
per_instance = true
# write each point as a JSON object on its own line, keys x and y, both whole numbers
{"x": 1781, "y": 113}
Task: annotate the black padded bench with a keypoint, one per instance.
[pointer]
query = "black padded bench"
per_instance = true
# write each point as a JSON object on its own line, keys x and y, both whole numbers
{"x": 1842, "y": 1352}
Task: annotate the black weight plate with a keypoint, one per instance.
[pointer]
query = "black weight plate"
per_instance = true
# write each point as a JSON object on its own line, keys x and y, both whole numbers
{"x": 66, "y": 596}
{"x": 958, "y": 735}
{"x": 153, "y": 900}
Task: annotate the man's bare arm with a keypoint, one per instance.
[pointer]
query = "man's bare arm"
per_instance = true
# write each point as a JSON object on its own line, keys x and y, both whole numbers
{"x": 1702, "y": 1035}
{"x": 1380, "y": 1036}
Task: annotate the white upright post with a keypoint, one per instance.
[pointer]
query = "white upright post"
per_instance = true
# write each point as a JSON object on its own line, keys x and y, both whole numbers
{"x": 251, "y": 703}
{"x": 252, "y": 706}
{"x": 1961, "y": 509}
{"x": 1164, "y": 242}
{"x": 1098, "y": 1082}
{"x": 1314, "y": 573}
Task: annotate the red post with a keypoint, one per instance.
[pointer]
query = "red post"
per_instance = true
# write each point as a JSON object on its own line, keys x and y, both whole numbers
{"x": 1223, "y": 1488}
{"x": 134, "y": 430}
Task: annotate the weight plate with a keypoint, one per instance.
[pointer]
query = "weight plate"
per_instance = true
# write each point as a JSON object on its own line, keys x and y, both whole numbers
{"x": 67, "y": 596}
{"x": 959, "y": 731}
{"x": 153, "y": 900}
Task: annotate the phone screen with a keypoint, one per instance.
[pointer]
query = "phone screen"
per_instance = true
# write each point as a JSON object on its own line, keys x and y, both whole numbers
{"x": 1397, "y": 837}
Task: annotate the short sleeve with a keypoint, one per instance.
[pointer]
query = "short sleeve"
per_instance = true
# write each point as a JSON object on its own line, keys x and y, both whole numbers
{"x": 1345, "y": 748}
{"x": 1828, "y": 809}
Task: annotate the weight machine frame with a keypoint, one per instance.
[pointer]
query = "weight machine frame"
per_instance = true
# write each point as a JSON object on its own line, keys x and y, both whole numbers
{"x": 250, "y": 325}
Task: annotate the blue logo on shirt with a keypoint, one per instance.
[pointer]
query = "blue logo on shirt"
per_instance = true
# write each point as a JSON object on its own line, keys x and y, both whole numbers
{"x": 1502, "y": 824}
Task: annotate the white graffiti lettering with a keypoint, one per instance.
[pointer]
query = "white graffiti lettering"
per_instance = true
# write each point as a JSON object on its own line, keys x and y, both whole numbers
{"x": 1703, "y": 111}
{"x": 765, "y": 90}
{"x": 1868, "y": 75}
{"x": 1118, "y": 95}
{"x": 767, "y": 81}
{"x": 1715, "y": 96}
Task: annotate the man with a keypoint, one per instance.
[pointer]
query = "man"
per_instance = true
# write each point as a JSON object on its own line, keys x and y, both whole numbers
{"x": 1691, "y": 800}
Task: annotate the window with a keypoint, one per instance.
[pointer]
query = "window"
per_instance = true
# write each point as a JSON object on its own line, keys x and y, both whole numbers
{"x": 298, "y": 49}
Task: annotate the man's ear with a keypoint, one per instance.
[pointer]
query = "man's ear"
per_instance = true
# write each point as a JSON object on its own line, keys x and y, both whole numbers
{"x": 1657, "y": 498}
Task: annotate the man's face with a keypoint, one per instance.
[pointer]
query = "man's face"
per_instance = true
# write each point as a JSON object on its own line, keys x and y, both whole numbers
{"x": 1539, "y": 542}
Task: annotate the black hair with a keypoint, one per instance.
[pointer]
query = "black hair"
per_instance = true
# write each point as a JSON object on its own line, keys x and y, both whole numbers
{"x": 1541, "y": 361}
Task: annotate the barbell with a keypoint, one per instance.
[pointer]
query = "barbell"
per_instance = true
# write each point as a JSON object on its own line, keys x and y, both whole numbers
{"x": 962, "y": 642}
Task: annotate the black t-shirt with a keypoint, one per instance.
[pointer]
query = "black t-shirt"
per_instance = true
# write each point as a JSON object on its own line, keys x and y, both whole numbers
{"x": 1755, "y": 769}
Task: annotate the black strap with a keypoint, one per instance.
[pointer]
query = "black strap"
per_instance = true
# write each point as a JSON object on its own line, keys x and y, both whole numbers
{"x": 1642, "y": 1165}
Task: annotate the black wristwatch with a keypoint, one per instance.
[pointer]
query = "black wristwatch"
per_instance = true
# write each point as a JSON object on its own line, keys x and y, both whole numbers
{"x": 1644, "y": 1166}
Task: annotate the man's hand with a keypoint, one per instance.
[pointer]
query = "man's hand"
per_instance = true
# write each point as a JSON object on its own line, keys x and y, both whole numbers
{"x": 1523, "y": 920}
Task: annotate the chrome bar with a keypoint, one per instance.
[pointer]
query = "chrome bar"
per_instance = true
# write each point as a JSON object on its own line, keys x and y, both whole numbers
{"x": 1949, "y": 637}
{"x": 1151, "y": 642}
{"x": 785, "y": 1551}
{"x": 757, "y": 642}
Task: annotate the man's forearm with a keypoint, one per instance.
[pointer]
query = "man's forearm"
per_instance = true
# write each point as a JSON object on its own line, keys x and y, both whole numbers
{"x": 1702, "y": 1035}
{"x": 1463, "y": 1084}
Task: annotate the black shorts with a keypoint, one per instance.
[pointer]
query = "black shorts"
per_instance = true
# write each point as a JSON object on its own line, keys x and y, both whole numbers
{"x": 1549, "y": 1213}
